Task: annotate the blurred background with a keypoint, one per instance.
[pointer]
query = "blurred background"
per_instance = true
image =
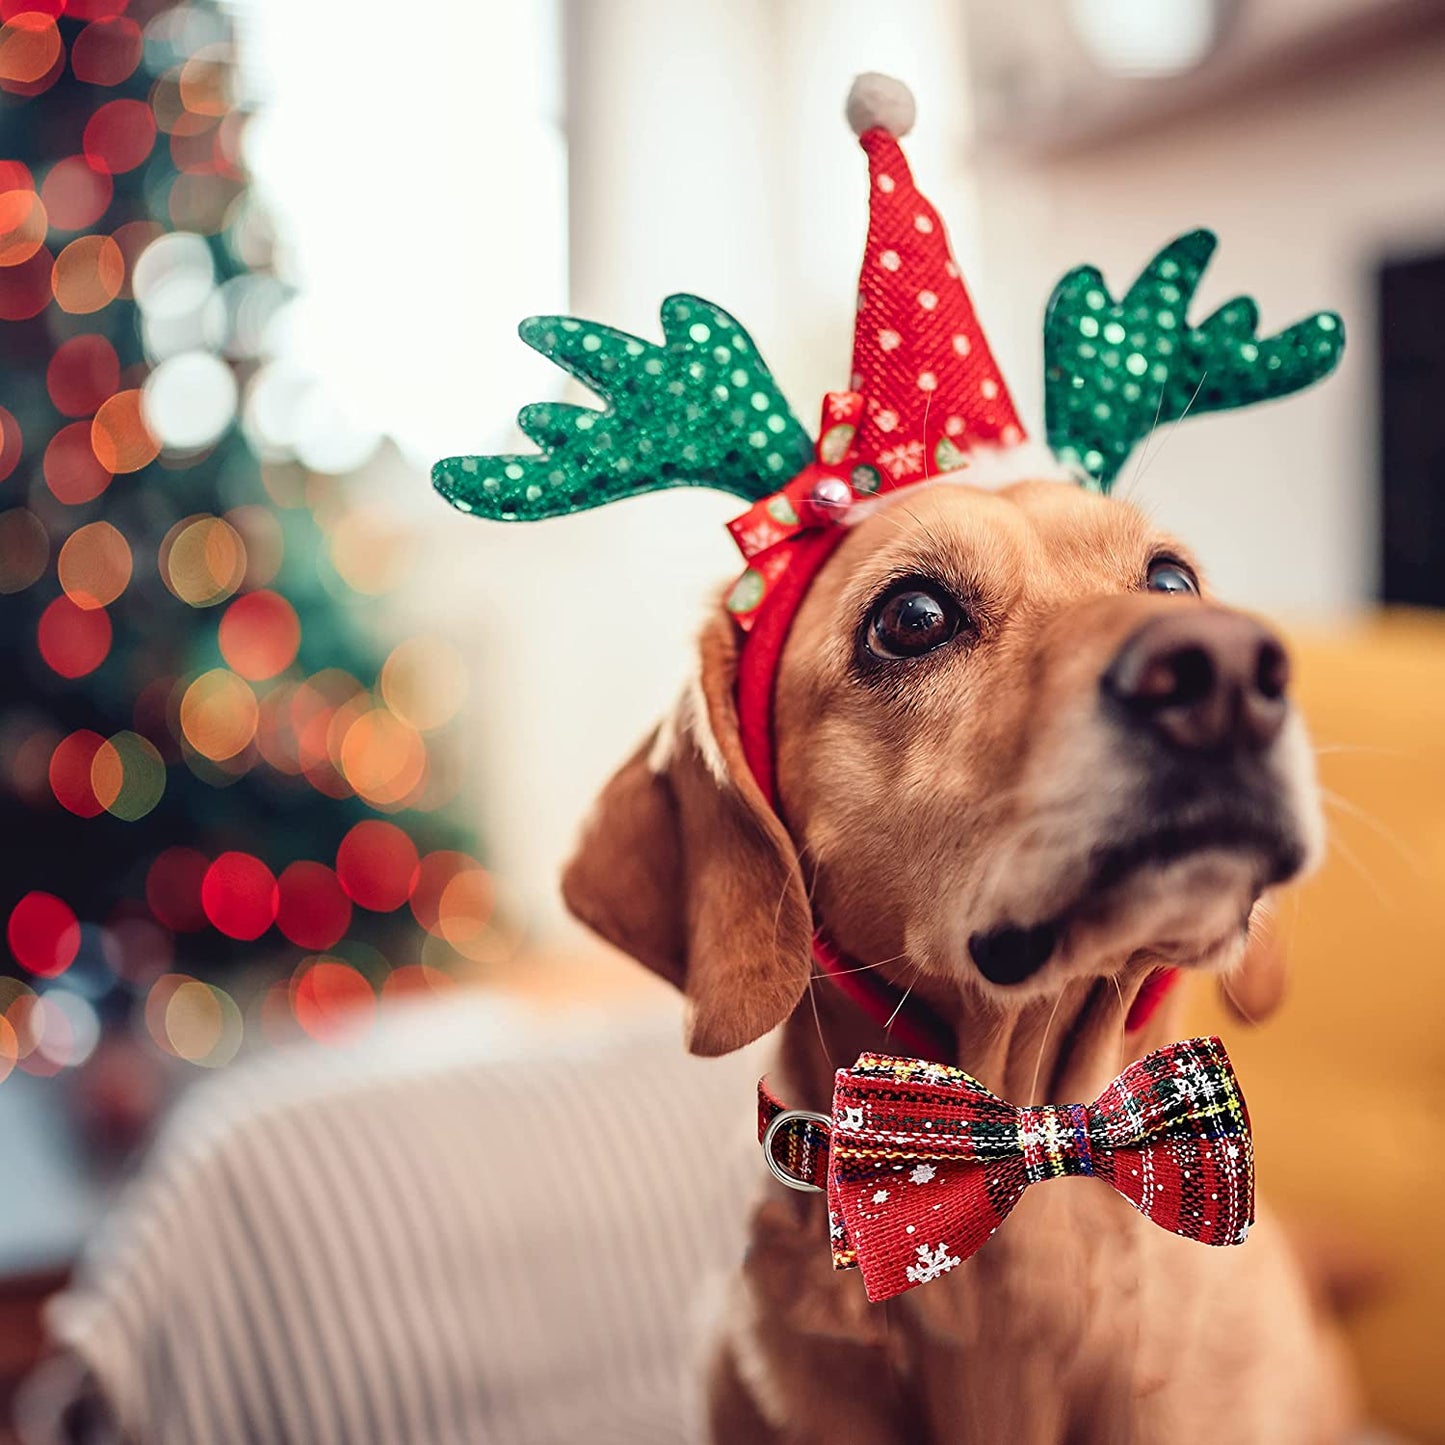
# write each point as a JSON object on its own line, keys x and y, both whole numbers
{"x": 284, "y": 740}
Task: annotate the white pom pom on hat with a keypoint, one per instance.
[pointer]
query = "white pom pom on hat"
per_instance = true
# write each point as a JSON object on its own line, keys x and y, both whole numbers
{"x": 880, "y": 102}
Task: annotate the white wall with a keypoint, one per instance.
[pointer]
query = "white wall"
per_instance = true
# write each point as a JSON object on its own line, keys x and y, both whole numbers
{"x": 1307, "y": 187}
{"x": 708, "y": 153}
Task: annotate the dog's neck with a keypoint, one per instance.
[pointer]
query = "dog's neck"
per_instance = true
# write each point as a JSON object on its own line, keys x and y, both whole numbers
{"x": 1059, "y": 1049}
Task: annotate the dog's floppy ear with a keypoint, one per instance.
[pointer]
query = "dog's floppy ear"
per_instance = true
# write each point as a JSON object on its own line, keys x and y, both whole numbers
{"x": 683, "y": 865}
{"x": 1254, "y": 988}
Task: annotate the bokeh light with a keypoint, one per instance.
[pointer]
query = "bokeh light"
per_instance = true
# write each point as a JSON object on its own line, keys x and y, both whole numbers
{"x": 83, "y": 372}
{"x": 87, "y": 276}
{"x": 133, "y": 238}
{"x": 370, "y": 551}
{"x": 138, "y": 950}
{"x": 464, "y": 914}
{"x": 43, "y": 934}
{"x": 314, "y": 911}
{"x": 383, "y": 758}
{"x": 67, "y": 1029}
{"x": 29, "y": 47}
{"x": 72, "y": 471}
{"x": 263, "y": 541}
{"x": 119, "y": 136}
{"x": 201, "y": 1024}
{"x": 435, "y": 875}
{"x": 240, "y": 896}
{"x": 331, "y": 1000}
{"x": 128, "y": 776}
{"x": 69, "y": 773}
{"x": 119, "y": 436}
{"x": 411, "y": 980}
{"x": 424, "y": 682}
{"x": 23, "y": 223}
{"x": 106, "y": 51}
{"x": 73, "y": 640}
{"x": 377, "y": 864}
{"x": 25, "y": 289}
{"x": 94, "y": 565}
{"x": 12, "y": 443}
{"x": 190, "y": 400}
{"x": 9, "y": 1048}
{"x": 24, "y": 549}
{"x": 203, "y": 560}
{"x": 218, "y": 714}
{"x": 173, "y": 889}
{"x": 76, "y": 195}
{"x": 259, "y": 635}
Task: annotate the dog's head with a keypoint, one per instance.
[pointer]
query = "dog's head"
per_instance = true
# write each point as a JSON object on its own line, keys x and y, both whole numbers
{"x": 1016, "y": 743}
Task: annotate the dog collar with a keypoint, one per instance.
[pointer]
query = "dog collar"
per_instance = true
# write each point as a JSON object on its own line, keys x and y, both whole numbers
{"x": 925, "y": 399}
{"x": 921, "y": 1163}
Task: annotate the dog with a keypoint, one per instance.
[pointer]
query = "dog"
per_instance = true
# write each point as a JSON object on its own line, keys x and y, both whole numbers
{"x": 1024, "y": 761}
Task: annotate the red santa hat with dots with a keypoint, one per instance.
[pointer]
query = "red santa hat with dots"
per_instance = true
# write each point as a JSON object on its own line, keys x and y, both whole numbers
{"x": 926, "y": 398}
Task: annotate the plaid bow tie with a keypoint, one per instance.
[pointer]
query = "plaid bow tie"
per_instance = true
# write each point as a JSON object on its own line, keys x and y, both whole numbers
{"x": 922, "y": 1163}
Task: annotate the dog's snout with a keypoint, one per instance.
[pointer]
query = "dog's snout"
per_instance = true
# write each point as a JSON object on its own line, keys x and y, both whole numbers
{"x": 1205, "y": 679}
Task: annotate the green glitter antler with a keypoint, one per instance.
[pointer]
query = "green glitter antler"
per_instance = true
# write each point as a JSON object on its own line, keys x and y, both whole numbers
{"x": 1115, "y": 369}
{"x": 701, "y": 410}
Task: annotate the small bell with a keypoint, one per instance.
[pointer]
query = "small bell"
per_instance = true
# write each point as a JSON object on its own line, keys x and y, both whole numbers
{"x": 829, "y": 500}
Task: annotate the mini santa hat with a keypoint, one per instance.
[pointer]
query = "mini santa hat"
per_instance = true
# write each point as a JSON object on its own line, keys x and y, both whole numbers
{"x": 932, "y": 390}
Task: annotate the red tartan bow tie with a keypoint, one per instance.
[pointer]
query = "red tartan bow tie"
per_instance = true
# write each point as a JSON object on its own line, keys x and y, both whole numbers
{"x": 922, "y": 1163}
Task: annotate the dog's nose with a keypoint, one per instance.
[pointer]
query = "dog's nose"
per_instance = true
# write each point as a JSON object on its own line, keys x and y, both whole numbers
{"x": 1205, "y": 679}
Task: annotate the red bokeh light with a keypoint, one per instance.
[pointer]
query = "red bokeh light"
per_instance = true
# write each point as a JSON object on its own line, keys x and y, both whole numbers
{"x": 314, "y": 911}
{"x": 15, "y": 176}
{"x": 436, "y": 872}
{"x": 43, "y": 934}
{"x": 95, "y": 9}
{"x": 76, "y": 194}
{"x": 70, "y": 773}
{"x": 173, "y": 889}
{"x": 83, "y": 372}
{"x": 54, "y": 9}
{"x": 240, "y": 896}
{"x": 412, "y": 979}
{"x": 31, "y": 50}
{"x": 11, "y": 443}
{"x": 72, "y": 470}
{"x": 73, "y": 640}
{"x": 119, "y": 136}
{"x": 378, "y": 866}
{"x": 106, "y": 52}
{"x": 331, "y": 1000}
{"x": 259, "y": 635}
{"x": 25, "y": 289}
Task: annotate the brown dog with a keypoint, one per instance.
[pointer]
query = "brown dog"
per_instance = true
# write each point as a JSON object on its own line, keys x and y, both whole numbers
{"x": 1021, "y": 764}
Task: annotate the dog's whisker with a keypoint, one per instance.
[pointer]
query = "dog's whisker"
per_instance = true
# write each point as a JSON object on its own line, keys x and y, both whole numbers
{"x": 864, "y": 967}
{"x": 1158, "y": 451}
{"x": 1380, "y": 828}
{"x": 1324, "y": 750}
{"x": 898, "y": 1008}
{"x": 1043, "y": 1044}
{"x": 1368, "y": 878}
{"x": 1137, "y": 470}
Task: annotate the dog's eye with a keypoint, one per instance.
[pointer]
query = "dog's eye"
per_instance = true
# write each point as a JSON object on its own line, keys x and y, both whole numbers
{"x": 1167, "y": 576}
{"x": 911, "y": 621}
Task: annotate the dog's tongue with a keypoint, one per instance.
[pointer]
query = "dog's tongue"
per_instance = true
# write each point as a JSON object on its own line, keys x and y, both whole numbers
{"x": 1010, "y": 955}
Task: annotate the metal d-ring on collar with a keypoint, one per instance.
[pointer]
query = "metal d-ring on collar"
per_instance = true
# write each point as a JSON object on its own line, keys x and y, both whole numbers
{"x": 778, "y": 1172}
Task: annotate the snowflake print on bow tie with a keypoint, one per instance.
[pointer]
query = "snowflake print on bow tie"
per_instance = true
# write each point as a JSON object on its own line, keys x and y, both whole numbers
{"x": 922, "y": 1163}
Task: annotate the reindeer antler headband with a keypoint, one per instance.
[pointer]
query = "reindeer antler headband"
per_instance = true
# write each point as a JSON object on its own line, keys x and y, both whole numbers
{"x": 925, "y": 398}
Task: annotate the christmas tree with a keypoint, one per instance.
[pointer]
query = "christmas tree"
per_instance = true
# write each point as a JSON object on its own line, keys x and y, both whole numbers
{"x": 218, "y": 795}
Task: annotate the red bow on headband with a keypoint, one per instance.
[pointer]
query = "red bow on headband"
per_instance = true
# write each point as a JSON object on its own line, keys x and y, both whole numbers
{"x": 922, "y": 1163}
